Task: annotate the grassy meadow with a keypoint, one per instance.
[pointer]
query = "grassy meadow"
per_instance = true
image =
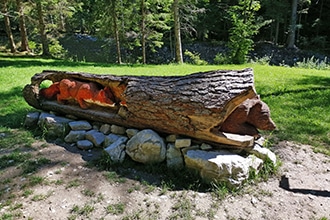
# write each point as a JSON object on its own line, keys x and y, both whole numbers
{"x": 299, "y": 99}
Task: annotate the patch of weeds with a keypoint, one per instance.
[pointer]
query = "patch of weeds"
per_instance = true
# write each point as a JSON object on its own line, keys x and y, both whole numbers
{"x": 14, "y": 137}
{"x": 16, "y": 206}
{"x": 149, "y": 188}
{"x": 220, "y": 190}
{"x": 27, "y": 193}
{"x": 58, "y": 171}
{"x": 113, "y": 177}
{"x": 136, "y": 187}
{"x": 6, "y": 181}
{"x": 134, "y": 215}
{"x": 7, "y": 216}
{"x": 165, "y": 187}
{"x": 85, "y": 210}
{"x": 182, "y": 208}
{"x": 30, "y": 166}
{"x": 100, "y": 197}
{"x": 40, "y": 197}
{"x": 116, "y": 209}
{"x": 72, "y": 217}
{"x": 266, "y": 193}
{"x": 268, "y": 169}
{"x": 88, "y": 192}
{"x": 58, "y": 182}
{"x": 13, "y": 159}
{"x": 36, "y": 180}
{"x": 104, "y": 162}
{"x": 73, "y": 183}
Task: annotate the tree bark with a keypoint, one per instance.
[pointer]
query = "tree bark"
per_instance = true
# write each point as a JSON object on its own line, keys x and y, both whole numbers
{"x": 115, "y": 27}
{"x": 194, "y": 105}
{"x": 143, "y": 32}
{"x": 177, "y": 32}
{"x": 8, "y": 27}
{"x": 22, "y": 27}
{"x": 42, "y": 30}
{"x": 292, "y": 29}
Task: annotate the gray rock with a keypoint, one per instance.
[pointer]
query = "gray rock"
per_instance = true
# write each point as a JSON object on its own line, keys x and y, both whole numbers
{"x": 174, "y": 158}
{"x": 146, "y": 147}
{"x": 182, "y": 142}
{"x": 171, "y": 138}
{"x": 84, "y": 145}
{"x": 219, "y": 166}
{"x": 31, "y": 120}
{"x": 118, "y": 129}
{"x": 111, "y": 138}
{"x": 206, "y": 147}
{"x": 80, "y": 125}
{"x": 53, "y": 126}
{"x": 116, "y": 150}
{"x": 74, "y": 136}
{"x": 131, "y": 132}
{"x": 263, "y": 153}
{"x": 105, "y": 128}
{"x": 96, "y": 137}
{"x": 255, "y": 163}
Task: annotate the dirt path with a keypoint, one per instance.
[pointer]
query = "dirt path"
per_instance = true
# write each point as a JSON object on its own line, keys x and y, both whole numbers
{"x": 70, "y": 190}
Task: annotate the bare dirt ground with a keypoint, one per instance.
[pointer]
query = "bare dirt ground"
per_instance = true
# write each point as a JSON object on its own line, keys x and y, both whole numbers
{"x": 71, "y": 190}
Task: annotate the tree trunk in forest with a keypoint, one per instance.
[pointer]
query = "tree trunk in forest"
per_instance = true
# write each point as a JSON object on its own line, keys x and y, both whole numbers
{"x": 8, "y": 27}
{"x": 115, "y": 27}
{"x": 42, "y": 31}
{"x": 22, "y": 27}
{"x": 292, "y": 29}
{"x": 194, "y": 105}
{"x": 277, "y": 29}
{"x": 143, "y": 32}
{"x": 177, "y": 33}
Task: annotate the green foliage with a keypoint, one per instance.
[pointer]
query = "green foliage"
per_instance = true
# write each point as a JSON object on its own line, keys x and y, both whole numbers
{"x": 194, "y": 58}
{"x": 221, "y": 59}
{"x": 243, "y": 28}
{"x": 313, "y": 63}
{"x": 85, "y": 210}
{"x": 116, "y": 209}
{"x": 13, "y": 159}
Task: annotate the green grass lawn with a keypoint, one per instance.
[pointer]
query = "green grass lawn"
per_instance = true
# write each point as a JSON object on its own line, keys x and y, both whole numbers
{"x": 299, "y": 99}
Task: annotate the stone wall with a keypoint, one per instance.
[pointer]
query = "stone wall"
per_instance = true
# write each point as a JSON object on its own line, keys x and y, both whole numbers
{"x": 146, "y": 146}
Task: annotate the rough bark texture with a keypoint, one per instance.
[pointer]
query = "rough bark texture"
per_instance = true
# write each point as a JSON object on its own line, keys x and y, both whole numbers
{"x": 194, "y": 105}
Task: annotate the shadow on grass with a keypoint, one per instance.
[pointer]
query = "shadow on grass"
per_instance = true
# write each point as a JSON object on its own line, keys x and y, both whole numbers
{"x": 13, "y": 108}
{"x": 30, "y": 61}
{"x": 311, "y": 83}
{"x": 302, "y": 115}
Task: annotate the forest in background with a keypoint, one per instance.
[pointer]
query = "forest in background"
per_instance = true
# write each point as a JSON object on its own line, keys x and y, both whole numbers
{"x": 133, "y": 30}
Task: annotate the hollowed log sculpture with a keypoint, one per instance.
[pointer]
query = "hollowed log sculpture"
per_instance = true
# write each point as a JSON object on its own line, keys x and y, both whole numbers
{"x": 205, "y": 105}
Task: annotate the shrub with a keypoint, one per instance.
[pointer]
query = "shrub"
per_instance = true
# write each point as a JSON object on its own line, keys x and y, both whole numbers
{"x": 195, "y": 58}
{"x": 313, "y": 63}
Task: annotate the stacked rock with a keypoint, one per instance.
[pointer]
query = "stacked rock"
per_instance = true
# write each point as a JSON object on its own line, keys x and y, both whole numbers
{"x": 148, "y": 147}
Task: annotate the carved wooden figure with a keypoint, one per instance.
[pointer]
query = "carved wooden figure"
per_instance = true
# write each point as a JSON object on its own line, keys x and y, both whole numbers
{"x": 195, "y": 105}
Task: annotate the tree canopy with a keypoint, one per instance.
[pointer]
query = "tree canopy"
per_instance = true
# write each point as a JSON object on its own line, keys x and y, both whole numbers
{"x": 141, "y": 27}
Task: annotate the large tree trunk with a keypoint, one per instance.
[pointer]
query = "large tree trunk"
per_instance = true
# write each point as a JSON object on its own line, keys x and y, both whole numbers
{"x": 22, "y": 27}
{"x": 292, "y": 29}
{"x": 143, "y": 32}
{"x": 8, "y": 27}
{"x": 193, "y": 105}
{"x": 42, "y": 31}
{"x": 177, "y": 32}
{"x": 115, "y": 28}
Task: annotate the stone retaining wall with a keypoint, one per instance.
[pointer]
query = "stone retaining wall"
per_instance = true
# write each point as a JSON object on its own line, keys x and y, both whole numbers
{"x": 146, "y": 146}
